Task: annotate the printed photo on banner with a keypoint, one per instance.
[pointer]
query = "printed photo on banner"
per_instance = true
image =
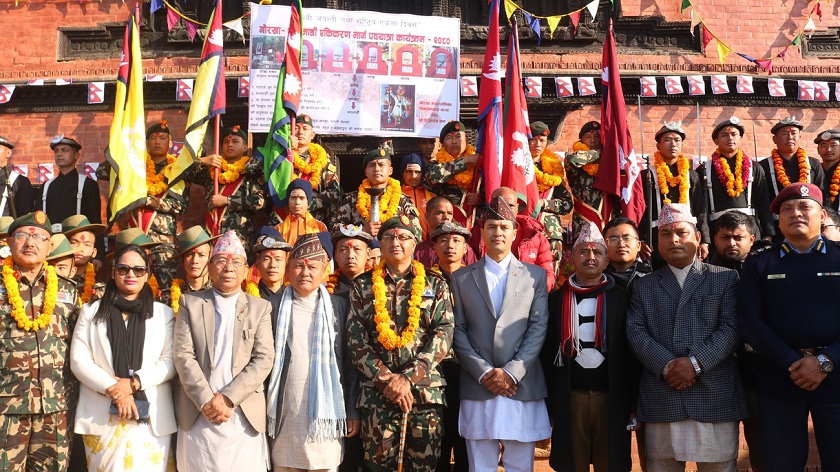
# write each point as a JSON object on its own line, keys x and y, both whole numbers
{"x": 397, "y": 108}
{"x": 268, "y": 52}
{"x": 442, "y": 63}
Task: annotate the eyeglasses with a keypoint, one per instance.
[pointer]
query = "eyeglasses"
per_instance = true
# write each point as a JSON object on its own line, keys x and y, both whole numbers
{"x": 23, "y": 237}
{"x": 122, "y": 270}
{"x": 220, "y": 264}
{"x": 401, "y": 238}
{"x": 626, "y": 239}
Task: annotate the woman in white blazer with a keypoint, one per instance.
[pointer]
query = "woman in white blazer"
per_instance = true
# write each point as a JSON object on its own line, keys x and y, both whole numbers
{"x": 122, "y": 355}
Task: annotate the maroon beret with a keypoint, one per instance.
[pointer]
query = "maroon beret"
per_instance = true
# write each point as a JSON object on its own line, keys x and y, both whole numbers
{"x": 797, "y": 191}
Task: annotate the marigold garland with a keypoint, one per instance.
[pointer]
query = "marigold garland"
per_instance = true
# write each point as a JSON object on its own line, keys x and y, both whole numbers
{"x": 154, "y": 182}
{"x": 153, "y": 284}
{"x": 10, "y": 280}
{"x": 251, "y": 288}
{"x": 464, "y": 178}
{"x": 387, "y": 337}
{"x": 668, "y": 180}
{"x": 834, "y": 188}
{"x": 230, "y": 172}
{"x": 734, "y": 187}
{"x": 90, "y": 280}
{"x": 332, "y": 282}
{"x": 552, "y": 172}
{"x": 175, "y": 295}
{"x": 802, "y": 160}
{"x": 317, "y": 160}
{"x": 389, "y": 201}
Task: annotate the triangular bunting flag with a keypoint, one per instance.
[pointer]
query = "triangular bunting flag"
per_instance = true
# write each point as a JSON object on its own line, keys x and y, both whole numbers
{"x": 22, "y": 169}
{"x": 809, "y": 26}
{"x": 244, "y": 88}
{"x": 723, "y": 51}
{"x": 96, "y": 93}
{"x": 89, "y": 170}
{"x": 821, "y": 91}
{"x": 6, "y": 92}
{"x": 469, "y": 87}
{"x": 776, "y": 87}
{"x": 64, "y": 81}
{"x": 696, "y": 85}
{"x": 185, "y": 90}
{"x": 744, "y": 84}
{"x": 766, "y": 64}
{"x": 156, "y": 5}
{"x": 191, "y": 30}
{"x": 719, "y": 85}
{"x": 795, "y": 42}
{"x": 553, "y": 21}
{"x": 749, "y": 58}
{"x": 818, "y": 11}
{"x": 685, "y": 4}
{"x": 36, "y": 82}
{"x": 648, "y": 85}
{"x": 171, "y": 19}
{"x": 235, "y": 25}
{"x": 45, "y": 172}
{"x": 564, "y": 86}
{"x": 154, "y": 78}
{"x": 533, "y": 87}
{"x": 534, "y": 24}
{"x": 673, "y": 85}
{"x": 510, "y": 8}
{"x": 575, "y": 17}
{"x": 586, "y": 86}
{"x": 707, "y": 36}
{"x": 695, "y": 20}
{"x": 593, "y": 8}
{"x": 806, "y": 90}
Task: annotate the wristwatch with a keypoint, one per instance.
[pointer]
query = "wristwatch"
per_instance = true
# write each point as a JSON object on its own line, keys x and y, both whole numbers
{"x": 826, "y": 364}
{"x": 696, "y": 365}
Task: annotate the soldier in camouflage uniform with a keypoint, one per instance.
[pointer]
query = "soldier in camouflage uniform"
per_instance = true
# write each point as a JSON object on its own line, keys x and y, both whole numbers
{"x": 461, "y": 158}
{"x": 194, "y": 245}
{"x": 82, "y": 235}
{"x": 37, "y": 389}
{"x": 581, "y": 169}
{"x": 240, "y": 189}
{"x": 326, "y": 190}
{"x": 5, "y": 222}
{"x": 377, "y": 164}
{"x": 405, "y": 379}
{"x": 554, "y": 200}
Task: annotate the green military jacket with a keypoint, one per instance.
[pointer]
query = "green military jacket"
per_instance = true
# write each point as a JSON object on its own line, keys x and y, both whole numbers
{"x": 419, "y": 360}
{"x": 35, "y": 375}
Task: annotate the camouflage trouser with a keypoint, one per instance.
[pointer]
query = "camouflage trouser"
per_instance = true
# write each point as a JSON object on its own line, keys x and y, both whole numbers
{"x": 164, "y": 264}
{"x": 34, "y": 442}
{"x": 381, "y": 438}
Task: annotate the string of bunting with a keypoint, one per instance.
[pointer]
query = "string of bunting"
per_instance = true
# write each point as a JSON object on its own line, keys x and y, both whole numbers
{"x": 724, "y": 49}
{"x": 554, "y": 20}
{"x": 173, "y": 15}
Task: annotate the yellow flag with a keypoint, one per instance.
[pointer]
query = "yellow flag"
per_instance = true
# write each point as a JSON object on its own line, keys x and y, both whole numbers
{"x": 723, "y": 51}
{"x": 553, "y": 21}
{"x": 126, "y": 151}
{"x": 510, "y": 8}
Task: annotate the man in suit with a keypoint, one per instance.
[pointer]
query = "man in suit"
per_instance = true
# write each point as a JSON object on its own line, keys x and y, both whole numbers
{"x": 682, "y": 327}
{"x": 501, "y": 315}
{"x": 224, "y": 351}
{"x": 788, "y": 312}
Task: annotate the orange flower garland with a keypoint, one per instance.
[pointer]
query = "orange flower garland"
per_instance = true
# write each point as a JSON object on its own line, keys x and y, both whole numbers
{"x": 552, "y": 172}
{"x": 251, "y": 288}
{"x": 387, "y": 337}
{"x": 464, "y": 178}
{"x": 154, "y": 182}
{"x": 175, "y": 295}
{"x": 781, "y": 175}
{"x": 153, "y": 284}
{"x": 668, "y": 180}
{"x": 834, "y": 188}
{"x": 90, "y": 280}
{"x": 10, "y": 281}
{"x": 332, "y": 282}
{"x": 230, "y": 172}
{"x": 389, "y": 201}
{"x": 734, "y": 186}
{"x": 317, "y": 160}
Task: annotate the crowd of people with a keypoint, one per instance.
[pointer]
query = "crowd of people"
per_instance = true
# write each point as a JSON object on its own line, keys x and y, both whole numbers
{"x": 421, "y": 324}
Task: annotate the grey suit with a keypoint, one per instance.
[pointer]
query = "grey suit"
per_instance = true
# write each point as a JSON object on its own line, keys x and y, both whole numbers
{"x": 666, "y": 322}
{"x": 513, "y": 341}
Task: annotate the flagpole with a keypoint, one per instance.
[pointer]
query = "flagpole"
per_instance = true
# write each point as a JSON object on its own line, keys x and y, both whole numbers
{"x": 648, "y": 177}
{"x": 216, "y": 122}
{"x": 139, "y": 210}
{"x": 755, "y": 144}
{"x": 699, "y": 151}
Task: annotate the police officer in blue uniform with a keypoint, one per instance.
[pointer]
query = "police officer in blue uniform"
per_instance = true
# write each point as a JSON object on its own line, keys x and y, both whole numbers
{"x": 789, "y": 313}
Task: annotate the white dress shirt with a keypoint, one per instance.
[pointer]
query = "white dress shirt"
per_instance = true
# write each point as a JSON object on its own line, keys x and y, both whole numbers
{"x": 496, "y": 274}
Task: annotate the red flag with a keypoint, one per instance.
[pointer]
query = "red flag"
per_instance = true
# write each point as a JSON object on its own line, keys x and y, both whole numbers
{"x": 293, "y": 84}
{"x": 518, "y": 168}
{"x": 620, "y": 168}
{"x": 213, "y": 49}
{"x": 490, "y": 108}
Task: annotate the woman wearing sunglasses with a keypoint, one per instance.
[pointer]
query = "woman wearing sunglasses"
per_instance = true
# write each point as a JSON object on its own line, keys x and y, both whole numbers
{"x": 122, "y": 355}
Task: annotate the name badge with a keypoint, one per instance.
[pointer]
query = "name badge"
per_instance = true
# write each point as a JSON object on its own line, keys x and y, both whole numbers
{"x": 775, "y": 276}
{"x": 429, "y": 293}
{"x": 64, "y": 297}
{"x": 828, "y": 274}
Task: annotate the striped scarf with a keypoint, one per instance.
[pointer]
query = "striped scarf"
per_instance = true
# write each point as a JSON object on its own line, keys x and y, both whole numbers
{"x": 326, "y": 397}
{"x": 570, "y": 319}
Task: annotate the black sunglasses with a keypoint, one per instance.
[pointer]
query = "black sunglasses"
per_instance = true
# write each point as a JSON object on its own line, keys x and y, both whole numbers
{"x": 122, "y": 270}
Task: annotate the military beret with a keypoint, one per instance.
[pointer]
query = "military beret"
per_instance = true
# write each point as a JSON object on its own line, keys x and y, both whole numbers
{"x": 450, "y": 227}
{"x": 351, "y": 232}
{"x": 591, "y": 126}
{"x": 268, "y": 237}
{"x": 61, "y": 248}
{"x": 61, "y": 139}
{"x": 6, "y": 142}
{"x": 797, "y": 191}
{"x": 400, "y": 222}
{"x": 162, "y": 127}
{"x": 36, "y": 218}
{"x": 235, "y": 130}
{"x": 300, "y": 184}
{"x": 826, "y": 135}
{"x": 77, "y": 223}
{"x": 375, "y": 155}
{"x": 670, "y": 127}
{"x": 785, "y": 122}
{"x": 733, "y": 121}
{"x": 451, "y": 127}
{"x": 304, "y": 120}
{"x": 192, "y": 238}
{"x": 538, "y": 128}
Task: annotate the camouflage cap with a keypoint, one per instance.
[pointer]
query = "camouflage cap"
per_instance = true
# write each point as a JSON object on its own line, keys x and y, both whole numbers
{"x": 61, "y": 248}
{"x": 192, "y": 238}
{"x": 77, "y": 223}
{"x": 36, "y": 218}
{"x": 400, "y": 222}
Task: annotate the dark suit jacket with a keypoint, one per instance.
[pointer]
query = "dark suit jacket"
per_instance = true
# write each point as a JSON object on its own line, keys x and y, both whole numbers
{"x": 666, "y": 322}
{"x": 513, "y": 341}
